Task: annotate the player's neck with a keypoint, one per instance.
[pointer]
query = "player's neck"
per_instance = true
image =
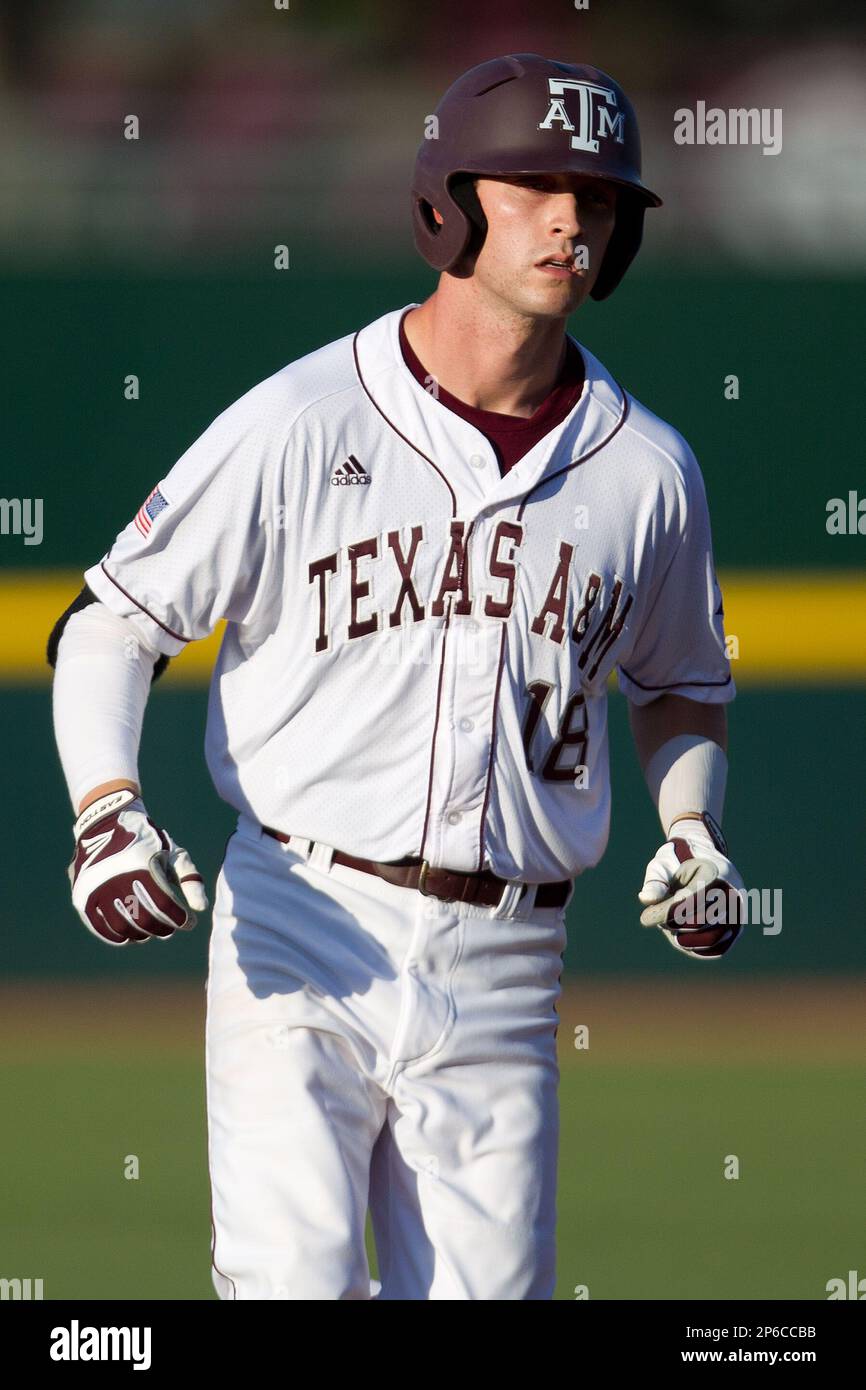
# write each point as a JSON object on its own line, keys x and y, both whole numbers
{"x": 484, "y": 355}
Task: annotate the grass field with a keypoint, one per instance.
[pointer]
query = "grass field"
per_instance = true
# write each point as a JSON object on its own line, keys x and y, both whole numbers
{"x": 676, "y": 1078}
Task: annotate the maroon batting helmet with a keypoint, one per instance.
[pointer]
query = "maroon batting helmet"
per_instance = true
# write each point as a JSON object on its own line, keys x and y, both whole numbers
{"x": 523, "y": 114}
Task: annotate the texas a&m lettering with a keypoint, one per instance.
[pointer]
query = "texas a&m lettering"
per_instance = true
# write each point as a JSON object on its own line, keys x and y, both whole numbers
{"x": 602, "y": 607}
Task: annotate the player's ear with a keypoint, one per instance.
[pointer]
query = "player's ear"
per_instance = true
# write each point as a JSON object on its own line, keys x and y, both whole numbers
{"x": 438, "y": 216}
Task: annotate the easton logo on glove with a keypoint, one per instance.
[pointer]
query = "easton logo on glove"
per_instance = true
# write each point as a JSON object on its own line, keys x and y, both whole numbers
{"x": 129, "y": 879}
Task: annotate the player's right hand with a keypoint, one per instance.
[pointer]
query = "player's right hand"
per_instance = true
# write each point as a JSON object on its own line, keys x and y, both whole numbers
{"x": 129, "y": 879}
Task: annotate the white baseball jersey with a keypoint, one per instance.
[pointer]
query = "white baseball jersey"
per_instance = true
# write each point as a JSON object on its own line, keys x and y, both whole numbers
{"x": 417, "y": 649}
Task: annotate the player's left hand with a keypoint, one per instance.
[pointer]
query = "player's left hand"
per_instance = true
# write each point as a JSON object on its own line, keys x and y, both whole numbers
{"x": 692, "y": 891}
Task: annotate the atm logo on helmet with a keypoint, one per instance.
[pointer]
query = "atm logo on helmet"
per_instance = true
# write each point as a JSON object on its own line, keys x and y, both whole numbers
{"x": 595, "y": 120}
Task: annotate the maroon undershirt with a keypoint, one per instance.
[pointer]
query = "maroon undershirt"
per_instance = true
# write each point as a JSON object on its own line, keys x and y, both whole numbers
{"x": 511, "y": 436}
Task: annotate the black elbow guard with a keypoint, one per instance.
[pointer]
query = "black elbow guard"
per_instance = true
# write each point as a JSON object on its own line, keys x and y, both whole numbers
{"x": 83, "y": 600}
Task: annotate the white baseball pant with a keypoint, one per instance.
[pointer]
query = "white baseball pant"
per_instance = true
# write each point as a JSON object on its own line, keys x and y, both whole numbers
{"x": 372, "y": 1047}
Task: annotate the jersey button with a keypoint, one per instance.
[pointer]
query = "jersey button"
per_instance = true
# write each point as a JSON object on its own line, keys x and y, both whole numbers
{"x": 454, "y": 818}
{"x": 467, "y": 725}
{"x": 477, "y": 461}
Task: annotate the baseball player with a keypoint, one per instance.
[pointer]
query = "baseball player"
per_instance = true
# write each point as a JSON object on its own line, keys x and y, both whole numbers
{"x": 432, "y": 542}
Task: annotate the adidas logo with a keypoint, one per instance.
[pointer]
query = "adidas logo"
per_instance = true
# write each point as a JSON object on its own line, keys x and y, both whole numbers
{"x": 351, "y": 472}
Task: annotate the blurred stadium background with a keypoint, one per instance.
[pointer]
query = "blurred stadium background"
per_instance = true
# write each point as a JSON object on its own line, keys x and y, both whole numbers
{"x": 261, "y": 127}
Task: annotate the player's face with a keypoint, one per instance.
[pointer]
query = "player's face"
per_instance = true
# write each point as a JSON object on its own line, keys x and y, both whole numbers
{"x": 532, "y": 218}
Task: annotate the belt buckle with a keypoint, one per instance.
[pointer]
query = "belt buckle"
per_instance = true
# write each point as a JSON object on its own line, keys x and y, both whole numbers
{"x": 422, "y": 884}
{"x": 422, "y": 879}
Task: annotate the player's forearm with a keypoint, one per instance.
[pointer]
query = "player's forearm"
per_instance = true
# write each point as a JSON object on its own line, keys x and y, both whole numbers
{"x": 654, "y": 724}
{"x": 101, "y": 683}
{"x": 682, "y": 748}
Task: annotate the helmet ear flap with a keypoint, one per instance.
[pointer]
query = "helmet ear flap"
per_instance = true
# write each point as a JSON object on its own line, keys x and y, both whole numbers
{"x": 625, "y": 240}
{"x": 424, "y": 211}
{"x": 461, "y": 189}
{"x": 442, "y": 243}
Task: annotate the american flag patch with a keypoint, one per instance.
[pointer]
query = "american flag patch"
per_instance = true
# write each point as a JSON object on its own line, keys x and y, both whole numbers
{"x": 149, "y": 510}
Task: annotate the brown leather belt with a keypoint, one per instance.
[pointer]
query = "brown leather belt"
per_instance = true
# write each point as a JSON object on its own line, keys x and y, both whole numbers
{"x": 451, "y": 885}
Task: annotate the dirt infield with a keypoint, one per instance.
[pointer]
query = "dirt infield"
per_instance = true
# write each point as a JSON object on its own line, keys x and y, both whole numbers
{"x": 713, "y": 1021}
{"x": 644, "y": 1019}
